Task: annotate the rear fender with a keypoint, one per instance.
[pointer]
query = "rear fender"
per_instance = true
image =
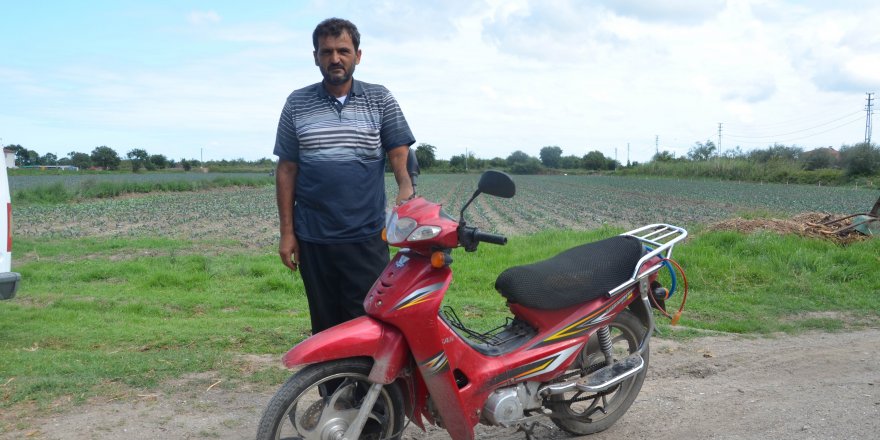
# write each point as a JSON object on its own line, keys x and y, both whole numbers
{"x": 360, "y": 337}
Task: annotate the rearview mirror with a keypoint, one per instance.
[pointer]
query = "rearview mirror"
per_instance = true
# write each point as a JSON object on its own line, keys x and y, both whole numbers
{"x": 496, "y": 183}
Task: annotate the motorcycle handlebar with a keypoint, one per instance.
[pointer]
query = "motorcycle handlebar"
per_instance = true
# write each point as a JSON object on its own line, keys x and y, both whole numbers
{"x": 469, "y": 238}
{"x": 486, "y": 237}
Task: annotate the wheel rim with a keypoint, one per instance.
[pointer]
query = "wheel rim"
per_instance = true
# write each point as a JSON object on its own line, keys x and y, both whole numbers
{"x": 326, "y": 409}
{"x": 594, "y": 407}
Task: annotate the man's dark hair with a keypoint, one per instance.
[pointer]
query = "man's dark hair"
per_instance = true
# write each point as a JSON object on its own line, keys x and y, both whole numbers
{"x": 333, "y": 27}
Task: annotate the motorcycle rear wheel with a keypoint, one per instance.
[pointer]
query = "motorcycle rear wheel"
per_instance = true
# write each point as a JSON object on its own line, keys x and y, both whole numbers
{"x": 581, "y": 414}
{"x": 320, "y": 401}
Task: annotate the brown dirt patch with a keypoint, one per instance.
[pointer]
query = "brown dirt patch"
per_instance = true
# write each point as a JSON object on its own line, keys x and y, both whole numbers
{"x": 808, "y": 224}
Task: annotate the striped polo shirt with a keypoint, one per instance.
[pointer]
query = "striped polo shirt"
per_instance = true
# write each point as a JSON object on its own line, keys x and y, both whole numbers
{"x": 340, "y": 151}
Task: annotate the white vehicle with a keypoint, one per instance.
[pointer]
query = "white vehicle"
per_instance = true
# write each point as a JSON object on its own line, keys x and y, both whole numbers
{"x": 8, "y": 279}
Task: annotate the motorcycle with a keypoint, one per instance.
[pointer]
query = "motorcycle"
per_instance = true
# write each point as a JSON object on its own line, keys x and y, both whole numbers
{"x": 575, "y": 351}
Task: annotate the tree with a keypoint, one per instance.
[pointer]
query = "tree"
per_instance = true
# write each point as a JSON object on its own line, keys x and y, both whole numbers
{"x": 425, "y": 154}
{"x": 595, "y": 160}
{"x": 663, "y": 156}
{"x": 160, "y": 161}
{"x": 551, "y": 156}
{"x": 702, "y": 152}
{"x": 733, "y": 153}
{"x": 518, "y": 157}
{"x": 497, "y": 162}
{"x": 105, "y": 157}
{"x": 138, "y": 158}
{"x": 529, "y": 166}
{"x": 462, "y": 163}
{"x": 80, "y": 160}
{"x": 860, "y": 160}
{"x": 571, "y": 162}
{"x": 23, "y": 156}
{"x": 818, "y": 159}
{"x": 49, "y": 159}
{"x": 777, "y": 152}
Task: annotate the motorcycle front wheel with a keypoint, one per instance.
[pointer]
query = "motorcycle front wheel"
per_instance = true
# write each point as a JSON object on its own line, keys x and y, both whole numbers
{"x": 320, "y": 402}
{"x": 582, "y": 413}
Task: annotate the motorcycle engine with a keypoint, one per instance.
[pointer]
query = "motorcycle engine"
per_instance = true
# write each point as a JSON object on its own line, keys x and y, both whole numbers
{"x": 503, "y": 407}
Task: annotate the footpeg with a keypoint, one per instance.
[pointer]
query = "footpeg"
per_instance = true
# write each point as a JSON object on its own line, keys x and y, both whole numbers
{"x": 611, "y": 375}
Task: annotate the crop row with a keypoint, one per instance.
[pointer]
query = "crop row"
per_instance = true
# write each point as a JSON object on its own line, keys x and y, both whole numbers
{"x": 71, "y": 180}
{"x": 248, "y": 216}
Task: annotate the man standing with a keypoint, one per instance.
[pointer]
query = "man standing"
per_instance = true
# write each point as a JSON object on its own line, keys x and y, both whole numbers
{"x": 332, "y": 140}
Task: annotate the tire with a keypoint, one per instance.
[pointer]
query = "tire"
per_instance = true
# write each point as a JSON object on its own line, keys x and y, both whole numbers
{"x": 584, "y": 417}
{"x": 323, "y": 399}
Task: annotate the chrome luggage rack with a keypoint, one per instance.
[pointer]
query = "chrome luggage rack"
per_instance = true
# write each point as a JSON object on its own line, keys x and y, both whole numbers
{"x": 660, "y": 238}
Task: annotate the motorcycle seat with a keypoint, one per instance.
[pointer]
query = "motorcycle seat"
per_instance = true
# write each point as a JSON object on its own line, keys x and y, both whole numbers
{"x": 574, "y": 276}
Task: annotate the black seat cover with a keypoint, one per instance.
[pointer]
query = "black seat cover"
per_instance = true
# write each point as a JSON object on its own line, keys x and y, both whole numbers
{"x": 577, "y": 275}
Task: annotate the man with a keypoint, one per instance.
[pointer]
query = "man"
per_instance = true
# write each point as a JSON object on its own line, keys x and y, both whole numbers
{"x": 332, "y": 140}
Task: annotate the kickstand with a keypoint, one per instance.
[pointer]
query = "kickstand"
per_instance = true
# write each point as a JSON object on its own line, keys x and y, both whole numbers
{"x": 529, "y": 429}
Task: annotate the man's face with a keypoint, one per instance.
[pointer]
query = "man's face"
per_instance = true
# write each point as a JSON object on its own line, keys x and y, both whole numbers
{"x": 336, "y": 57}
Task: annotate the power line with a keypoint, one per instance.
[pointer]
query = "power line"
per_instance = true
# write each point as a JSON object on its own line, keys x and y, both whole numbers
{"x": 770, "y": 139}
{"x": 796, "y": 131}
{"x": 797, "y": 121}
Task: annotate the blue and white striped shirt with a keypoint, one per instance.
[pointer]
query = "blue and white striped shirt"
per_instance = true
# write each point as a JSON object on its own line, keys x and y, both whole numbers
{"x": 340, "y": 152}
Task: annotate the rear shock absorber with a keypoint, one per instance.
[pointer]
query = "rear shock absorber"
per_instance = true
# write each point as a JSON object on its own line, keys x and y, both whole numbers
{"x": 605, "y": 343}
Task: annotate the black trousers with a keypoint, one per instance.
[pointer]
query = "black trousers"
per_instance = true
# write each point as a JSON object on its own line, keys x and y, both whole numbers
{"x": 337, "y": 278}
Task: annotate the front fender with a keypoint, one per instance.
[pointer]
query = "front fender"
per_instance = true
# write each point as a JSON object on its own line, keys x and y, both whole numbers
{"x": 360, "y": 337}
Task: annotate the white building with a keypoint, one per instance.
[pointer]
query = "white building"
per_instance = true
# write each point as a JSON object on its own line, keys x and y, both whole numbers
{"x": 10, "y": 158}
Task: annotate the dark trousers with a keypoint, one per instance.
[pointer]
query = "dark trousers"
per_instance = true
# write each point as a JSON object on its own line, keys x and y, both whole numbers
{"x": 337, "y": 278}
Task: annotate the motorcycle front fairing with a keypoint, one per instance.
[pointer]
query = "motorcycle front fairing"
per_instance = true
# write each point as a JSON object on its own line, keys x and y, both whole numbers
{"x": 360, "y": 337}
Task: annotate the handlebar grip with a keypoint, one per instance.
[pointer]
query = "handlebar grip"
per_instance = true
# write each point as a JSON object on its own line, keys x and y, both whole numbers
{"x": 486, "y": 237}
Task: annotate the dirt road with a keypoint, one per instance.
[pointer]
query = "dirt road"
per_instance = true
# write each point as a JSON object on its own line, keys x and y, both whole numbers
{"x": 814, "y": 386}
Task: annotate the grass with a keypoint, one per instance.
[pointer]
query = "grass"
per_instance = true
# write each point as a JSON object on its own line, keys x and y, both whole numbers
{"x": 62, "y": 192}
{"x": 94, "y": 317}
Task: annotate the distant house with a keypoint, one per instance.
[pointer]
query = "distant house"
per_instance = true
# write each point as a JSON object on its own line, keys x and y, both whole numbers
{"x": 10, "y": 158}
{"x": 827, "y": 150}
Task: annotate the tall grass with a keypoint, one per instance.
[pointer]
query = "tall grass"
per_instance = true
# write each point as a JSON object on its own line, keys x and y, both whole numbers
{"x": 94, "y": 189}
{"x": 741, "y": 170}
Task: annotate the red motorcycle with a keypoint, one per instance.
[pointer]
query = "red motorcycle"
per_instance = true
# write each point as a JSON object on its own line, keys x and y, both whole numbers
{"x": 575, "y": 350}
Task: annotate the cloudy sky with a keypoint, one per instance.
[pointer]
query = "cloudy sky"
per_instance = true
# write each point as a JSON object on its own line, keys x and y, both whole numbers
{"x": 207, "y": 79}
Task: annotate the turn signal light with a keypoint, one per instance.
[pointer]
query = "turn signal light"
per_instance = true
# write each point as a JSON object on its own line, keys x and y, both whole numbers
{"x": 440, "y": 259}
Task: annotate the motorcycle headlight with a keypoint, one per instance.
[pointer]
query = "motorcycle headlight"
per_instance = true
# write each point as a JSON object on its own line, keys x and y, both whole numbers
{"x": 402, "y": 229}
{"x": 424, "y": 233}
{"x": 399, "y": 228}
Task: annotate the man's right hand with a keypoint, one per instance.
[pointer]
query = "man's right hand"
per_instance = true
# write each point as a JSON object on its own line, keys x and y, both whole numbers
{"x": 288, "y": 249}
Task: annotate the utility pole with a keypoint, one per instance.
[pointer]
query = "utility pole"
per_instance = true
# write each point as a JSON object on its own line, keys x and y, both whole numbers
{"x": 868, "y": 118}
{"x": 627, "y": 154}
{"x": 465, "y": 160}
{"x": 719, "y": 137}
{"x": 656, "y": 144}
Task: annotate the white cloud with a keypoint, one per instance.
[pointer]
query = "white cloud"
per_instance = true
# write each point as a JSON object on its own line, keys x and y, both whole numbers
{"x": 201, "y": 18}
{"x": 491, "y": 76}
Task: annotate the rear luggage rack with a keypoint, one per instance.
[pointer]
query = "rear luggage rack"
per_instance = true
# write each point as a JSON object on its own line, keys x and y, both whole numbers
{"x": 659, "y": 239}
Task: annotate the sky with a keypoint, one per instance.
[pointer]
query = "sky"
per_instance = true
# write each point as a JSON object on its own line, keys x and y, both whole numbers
{"x": 207, "y": 79}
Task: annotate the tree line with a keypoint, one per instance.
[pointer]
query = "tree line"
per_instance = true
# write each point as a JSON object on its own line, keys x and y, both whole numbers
{"x": 550, "y": 159}
{"x": 775, "y": 163}
{"x": 136, "y": 159}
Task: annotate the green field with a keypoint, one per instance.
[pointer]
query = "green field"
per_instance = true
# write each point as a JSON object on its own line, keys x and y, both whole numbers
{"x": 72, "y": 179}
{"x": 123, "y": 294}
{"x": 248, "y": 214}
